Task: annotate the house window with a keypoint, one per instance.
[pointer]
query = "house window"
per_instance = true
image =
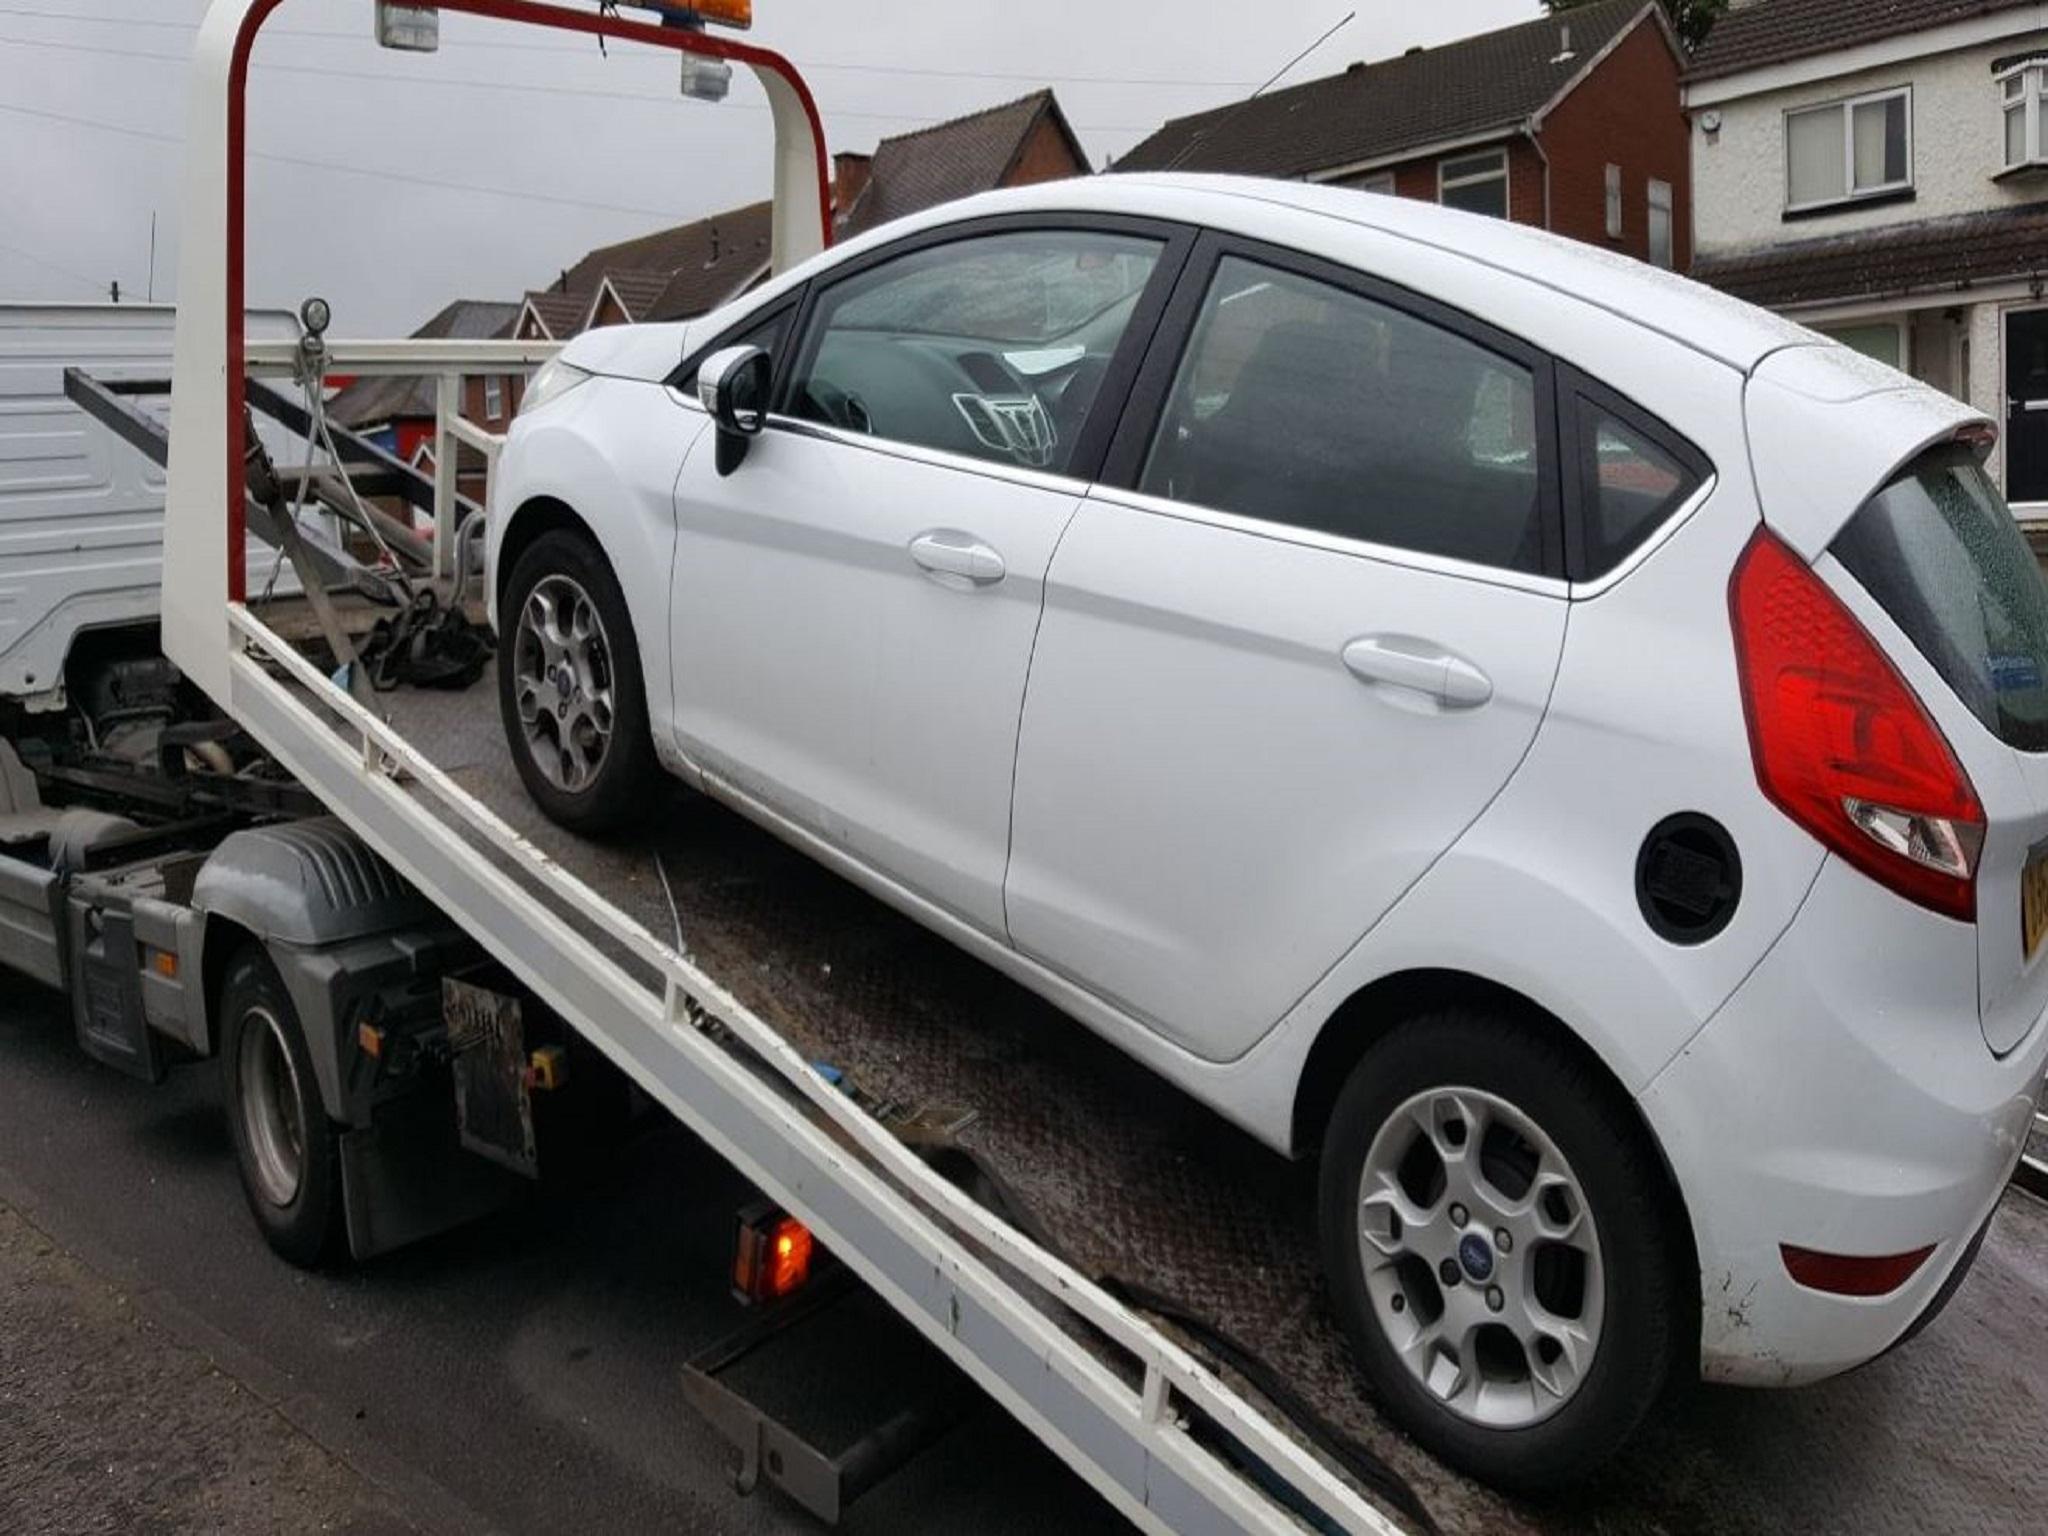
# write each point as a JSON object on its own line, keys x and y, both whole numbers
{"x": 2020, "y": 92}
{"x": 1476, "y": 183}
{"x": 1862, "y": 147}
{"x": 1378, "y": 181}
{"x": 1883, "y": 340}
{"x": 494, "y": 398}
{"x": 1660, "y": 223}
{"x": 1614, "y": 202}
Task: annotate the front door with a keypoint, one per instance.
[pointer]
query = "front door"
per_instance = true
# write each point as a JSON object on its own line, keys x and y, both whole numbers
{"x": 854, "y": 606}
{"x": 2026, "y": 406}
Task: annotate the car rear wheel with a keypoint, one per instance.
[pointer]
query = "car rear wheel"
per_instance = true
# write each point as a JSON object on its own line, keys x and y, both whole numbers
{"x": 1498, "y": 1241}
{"x": 570, "y": 688}
{"x": 287, "y": 1150}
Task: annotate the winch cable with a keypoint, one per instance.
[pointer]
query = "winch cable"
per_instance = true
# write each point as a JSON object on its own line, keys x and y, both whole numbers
{"x": 424, "y": 643}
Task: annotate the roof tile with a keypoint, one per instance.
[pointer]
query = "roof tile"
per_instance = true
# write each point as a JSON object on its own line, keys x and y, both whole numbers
{"x": 1766, "y": 32}
{"x": 1426, "y": 96}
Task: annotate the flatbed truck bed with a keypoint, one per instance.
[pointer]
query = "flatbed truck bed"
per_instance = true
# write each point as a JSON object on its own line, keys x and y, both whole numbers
{"x": 1130, "y": 1181}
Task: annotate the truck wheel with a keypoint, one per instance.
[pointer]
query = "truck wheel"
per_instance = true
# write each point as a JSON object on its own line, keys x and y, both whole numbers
{"x": 288, "y": 1151}
{"x": 1497, "y": 1238}
{"x": 570, "y": 687}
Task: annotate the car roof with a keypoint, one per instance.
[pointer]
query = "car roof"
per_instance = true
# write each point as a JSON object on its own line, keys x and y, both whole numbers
{"x": 1702, "y": 318}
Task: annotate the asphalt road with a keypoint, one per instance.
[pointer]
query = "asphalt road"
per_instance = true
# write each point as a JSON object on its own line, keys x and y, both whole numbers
{"x": 160, "y": 1370}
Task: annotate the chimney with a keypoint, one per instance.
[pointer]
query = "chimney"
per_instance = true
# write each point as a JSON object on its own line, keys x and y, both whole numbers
{"x": 1564, "y": 45}
{"x": 849, "y": 179}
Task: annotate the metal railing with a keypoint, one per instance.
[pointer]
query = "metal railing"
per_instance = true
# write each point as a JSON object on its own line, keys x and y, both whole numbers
{"x": 449, "y": 364}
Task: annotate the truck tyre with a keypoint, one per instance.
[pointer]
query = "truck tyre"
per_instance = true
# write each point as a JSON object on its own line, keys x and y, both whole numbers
{"x": 1499, "y": 1245}
{"x": 288, "y": 1151}
{"x": 570, "y": 688}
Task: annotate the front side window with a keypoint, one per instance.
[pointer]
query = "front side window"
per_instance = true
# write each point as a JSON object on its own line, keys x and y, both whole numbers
{"x": 1848, "y": 149}
{"x": 992, "y": 346}
{"x": 1476, "y": 183}
{"x": 1305, "y": 404}
{"x": 2020, "y": 91}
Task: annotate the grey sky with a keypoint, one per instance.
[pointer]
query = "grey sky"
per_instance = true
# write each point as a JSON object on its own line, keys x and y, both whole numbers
{"x": 585, "y": 149}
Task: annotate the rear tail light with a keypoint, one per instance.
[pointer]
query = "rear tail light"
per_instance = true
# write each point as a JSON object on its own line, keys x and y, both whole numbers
{"x": 1840, "y": 742}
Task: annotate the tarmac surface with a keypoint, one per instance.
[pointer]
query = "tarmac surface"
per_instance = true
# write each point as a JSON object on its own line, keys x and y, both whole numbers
{"x": 161, "y": 1372}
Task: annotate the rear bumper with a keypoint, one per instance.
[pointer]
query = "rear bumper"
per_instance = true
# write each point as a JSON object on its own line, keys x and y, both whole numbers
{"x": 1842, "y": 1100}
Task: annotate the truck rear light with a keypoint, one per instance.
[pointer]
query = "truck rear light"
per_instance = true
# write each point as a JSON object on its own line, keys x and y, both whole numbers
{"x": 1842, "y": 1274}
{"x": 1840, "y": 743}
{"x": 771, "y": 1255}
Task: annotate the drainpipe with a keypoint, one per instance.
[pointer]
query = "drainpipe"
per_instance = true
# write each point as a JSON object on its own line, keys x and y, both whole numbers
{"x": 1536, "y": 143}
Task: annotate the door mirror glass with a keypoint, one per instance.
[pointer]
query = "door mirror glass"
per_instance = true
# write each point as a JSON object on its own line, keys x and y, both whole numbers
{"x": 732, "y": 384}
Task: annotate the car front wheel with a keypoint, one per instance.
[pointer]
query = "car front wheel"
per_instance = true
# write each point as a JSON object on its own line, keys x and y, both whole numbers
{"x": 1498, "y": 1238}
{"x": 570, "y": 687}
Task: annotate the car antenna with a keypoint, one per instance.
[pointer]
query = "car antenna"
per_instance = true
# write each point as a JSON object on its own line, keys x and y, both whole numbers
{"x": 1231, "y": 116}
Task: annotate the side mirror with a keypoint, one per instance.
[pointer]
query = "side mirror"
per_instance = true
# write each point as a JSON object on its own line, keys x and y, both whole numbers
{"x": 732, "y": 384}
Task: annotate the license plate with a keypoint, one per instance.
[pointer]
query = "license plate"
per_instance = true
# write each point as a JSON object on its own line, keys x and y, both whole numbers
{"x": 2034, "y": 901}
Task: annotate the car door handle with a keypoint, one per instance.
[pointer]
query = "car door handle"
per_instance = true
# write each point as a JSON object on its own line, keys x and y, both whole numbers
{"x": 959, "y": 555}
{"x": 1401, "y": 661}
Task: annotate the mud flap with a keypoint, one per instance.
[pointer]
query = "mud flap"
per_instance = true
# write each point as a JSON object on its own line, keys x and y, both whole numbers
{"x": 407, "y": 1177}
{"x": 493, "y": 1094}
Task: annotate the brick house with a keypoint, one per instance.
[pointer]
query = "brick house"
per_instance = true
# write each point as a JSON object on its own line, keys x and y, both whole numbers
{"x": 678, "y": 273}
{"x": 398, "y": 413}
{"x": 1571, "y": 122}
{"x": 1880, "y": 172}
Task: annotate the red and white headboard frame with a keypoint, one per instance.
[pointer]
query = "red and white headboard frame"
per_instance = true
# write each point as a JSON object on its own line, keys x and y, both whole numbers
{"x": 204, "y": 561}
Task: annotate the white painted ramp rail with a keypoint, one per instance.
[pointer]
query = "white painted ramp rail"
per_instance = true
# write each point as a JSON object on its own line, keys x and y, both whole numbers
{"x": 878, "y": 1207}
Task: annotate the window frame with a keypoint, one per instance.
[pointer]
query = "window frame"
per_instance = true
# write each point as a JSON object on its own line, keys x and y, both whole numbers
{"x": 1152, "y": 390}
{"x": 1176, "y": 241}
{"x": 1616, "y": 223}
{"x": 2032, "y": 75}
{"x": 1578, "y": 391}
{"x": 1891, "y": 191}
{"x": 494, "y": 389}
{"x": 1446, "y": 182}
{"x": 684, "y": 379}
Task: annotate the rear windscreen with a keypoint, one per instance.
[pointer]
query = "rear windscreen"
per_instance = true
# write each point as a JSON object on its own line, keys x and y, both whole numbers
{"x": 1939, "y": 550}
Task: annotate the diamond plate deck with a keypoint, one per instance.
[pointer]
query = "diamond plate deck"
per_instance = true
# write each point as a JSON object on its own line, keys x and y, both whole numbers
{"x": 1129, "y": 1177}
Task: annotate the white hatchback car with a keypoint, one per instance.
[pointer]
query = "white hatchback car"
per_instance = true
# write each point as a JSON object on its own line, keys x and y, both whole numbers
{"x": 1566, "y": 748}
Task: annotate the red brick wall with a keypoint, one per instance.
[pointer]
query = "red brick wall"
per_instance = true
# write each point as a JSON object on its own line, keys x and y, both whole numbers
{"x": 1044, "y": 157}
{"x": 1418, "y": 179}
{"x": 1625, "y": 113}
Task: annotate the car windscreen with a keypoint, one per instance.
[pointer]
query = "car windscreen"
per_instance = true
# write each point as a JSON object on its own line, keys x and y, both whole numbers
{"x": 1938, "y": 549}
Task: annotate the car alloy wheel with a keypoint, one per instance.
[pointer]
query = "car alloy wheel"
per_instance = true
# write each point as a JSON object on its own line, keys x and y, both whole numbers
{"x": 1481, "y": 1257}
{"x": 562, "y": 673}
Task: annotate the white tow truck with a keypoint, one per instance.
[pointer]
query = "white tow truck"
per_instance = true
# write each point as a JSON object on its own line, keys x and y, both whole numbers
{"x": 223, "y": 843}
{"x": 403, "y": 987}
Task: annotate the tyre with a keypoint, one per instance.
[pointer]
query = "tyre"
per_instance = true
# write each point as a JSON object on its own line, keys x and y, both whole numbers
{"x": 570, "y": 687}
{"x": 1500, "y": 1248}
{"x": 288, "y": 1151}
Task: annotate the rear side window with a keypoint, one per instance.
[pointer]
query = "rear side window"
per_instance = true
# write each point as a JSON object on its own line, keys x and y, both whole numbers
{"x": 1631, "y": 473}
{"x": 1939, "y": 551}
{"x": 1306, "y": 404}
